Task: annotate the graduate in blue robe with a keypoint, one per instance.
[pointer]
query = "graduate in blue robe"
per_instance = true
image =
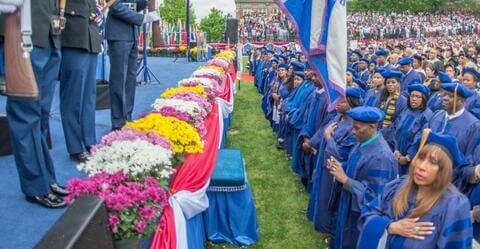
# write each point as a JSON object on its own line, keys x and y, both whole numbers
{"x": 446, "y": 224}
{"x": 337, "y": 141}
{"x": 410, "y": 124}
{"x": 410, "y": 75}
{"x": 382, "y": 61}
{"x": 392, "y": 103}
{"x": 459, "y": 123}
{"x": 296, "y": 109}
{"x": 274, "y": 95}
{"x": 285, "y": 91}
{"x": 470, "y": 79}
{"x": 370, "y": 166}
{"x": 436, "y": 97}
{"x": 372, "y": 97}
{"x": 271, "y": 72}
{"x": 316, "y": 116}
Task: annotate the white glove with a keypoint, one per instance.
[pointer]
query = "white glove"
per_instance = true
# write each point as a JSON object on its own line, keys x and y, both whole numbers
{"x": 9, "y": 6}
{"x": 150, "y": 17}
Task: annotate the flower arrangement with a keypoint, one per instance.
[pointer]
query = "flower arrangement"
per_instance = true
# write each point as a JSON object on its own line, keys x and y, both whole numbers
{"x": 182, "y": 136}
{"x": 229, "y": 55}
{"x": 130, "y": 135}
{"x": 137, "y": 158}
{"x": 171, "y": 91}
{"x": 210, "y": 86}
{"x": 182, "y": 48}
{"x": 186, "y": 106}
{"x": 209, "y": 73}
{"x": 216, "y": 68}
{"x": 192, "y": 96}
{"x": 219, "y": 62}
{"x": 133, "y": 207}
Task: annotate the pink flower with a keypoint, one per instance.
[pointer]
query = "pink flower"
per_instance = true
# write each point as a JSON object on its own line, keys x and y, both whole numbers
{"x": 130, "y": 135}
{"x": 140, "y": 226}
{"x": 113, "y": 221}
{"x": 147, "y": 213}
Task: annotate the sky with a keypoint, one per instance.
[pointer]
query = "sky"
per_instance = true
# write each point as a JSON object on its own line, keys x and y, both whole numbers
{"x": 202, "y": 7}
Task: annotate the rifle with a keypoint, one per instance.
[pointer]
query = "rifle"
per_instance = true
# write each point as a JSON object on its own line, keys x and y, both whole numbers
{"x": 20, "y": 80}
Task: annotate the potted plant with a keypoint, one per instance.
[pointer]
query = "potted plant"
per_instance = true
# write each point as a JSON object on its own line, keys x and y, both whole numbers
{"x": 133, "y": 206}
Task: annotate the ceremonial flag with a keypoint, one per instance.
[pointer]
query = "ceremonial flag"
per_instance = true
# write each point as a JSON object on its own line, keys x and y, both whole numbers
{"x": 321, "y": 27}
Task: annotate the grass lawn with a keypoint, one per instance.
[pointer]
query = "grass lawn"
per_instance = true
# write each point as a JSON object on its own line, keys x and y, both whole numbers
{"x": 279, "y": 200}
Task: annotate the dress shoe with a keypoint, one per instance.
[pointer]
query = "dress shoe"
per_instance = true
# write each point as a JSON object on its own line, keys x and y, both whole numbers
{"x": 48, "y": 201}
{"x": 59, "y": 190}
{"x": 79, "y": 157}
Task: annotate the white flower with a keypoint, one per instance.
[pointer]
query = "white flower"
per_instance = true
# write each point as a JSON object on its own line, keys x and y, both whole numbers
{"x": 204, "y": 82}
{"x": 136, "y": 158}
{"x": 191, "y": 107}
{"x": 207, "y": 71}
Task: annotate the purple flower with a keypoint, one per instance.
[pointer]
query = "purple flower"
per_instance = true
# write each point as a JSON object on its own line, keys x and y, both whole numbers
{"x": 113, "y": 221}
{"x": 130, "y": 135}
{"x": 140, "y": 226}
{"x": 147, "y": 213}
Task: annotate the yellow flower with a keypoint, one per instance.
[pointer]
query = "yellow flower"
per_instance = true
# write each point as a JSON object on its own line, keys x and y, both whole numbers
{"x": 182, "y": 136}
{"x": 182, "y": 48}
{"x": 218, "y": 69}
{"x": 172, "y": 91}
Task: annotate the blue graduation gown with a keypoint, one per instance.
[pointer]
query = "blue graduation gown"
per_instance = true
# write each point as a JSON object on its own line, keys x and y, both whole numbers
{"x": 465, "y": 128}
{"x": 372, "y": 97}
{"x": 266, "y": 90}
{"x": 370, "y": 166}
{"x": 407, "y": 80}
{"x": 316, "y": 116}
{"x": 323, "y": 205}
{"x": 364, "y": 75}
{"x": 297, "y": 110}
{"x": 389, "y": 132}
{"x": 407, "y": 128}
{"x": 450, "y": 216}
{"x": 259, "y": 74}
{"x": 435, "y": 101}
{"x": 284, "y": 95}
{"x": 473, "y": 104}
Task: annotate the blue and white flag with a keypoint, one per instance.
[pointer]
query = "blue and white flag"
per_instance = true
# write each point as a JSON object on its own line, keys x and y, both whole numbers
{"x": 321, "y": 27}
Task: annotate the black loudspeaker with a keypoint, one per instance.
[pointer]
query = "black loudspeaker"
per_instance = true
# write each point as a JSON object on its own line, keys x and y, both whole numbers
{"x": 84, "y": 225}
{"x": 103, "y": 95}
{"x": 232, "y": 30}
{"x": 6, "y": 145}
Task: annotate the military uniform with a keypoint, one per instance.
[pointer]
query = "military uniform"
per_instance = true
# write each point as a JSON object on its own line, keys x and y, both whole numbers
{"x": 81, "y": 43}
{"x": 121, "y": 32}
{"x": 29, "y": 119}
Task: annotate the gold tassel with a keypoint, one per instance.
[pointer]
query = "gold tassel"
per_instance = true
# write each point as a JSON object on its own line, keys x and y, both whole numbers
{"x": 425, "y": 134}
{"x": 455, "y": 100}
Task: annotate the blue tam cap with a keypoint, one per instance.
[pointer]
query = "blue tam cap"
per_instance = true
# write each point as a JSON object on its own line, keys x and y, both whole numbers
{"x": 291, "y": 55}
{"x": 448, "y": 144}
{"x": 471, "y": 71}
{"x": 364, "y": 61}
{"x": 366, "y": 114}
{"x": 444, "y": 78}
{"x": 268, "y": 51}
{"x": 284, "y": 57}
{"x": 379, "y": 70}
{"x": 355, "y": 92}
{"x": 349, "y": 53}
{"x": 392, "y": 74}
{"x": 405, "y": 61}
{"x": 372, "y": 62}
{"x": 419, "y": 88}
{"x": 353, "y": 72}
{"x": 284, "y": 66}
{"x": 300, "y": 74}
{"x": 274, "y": 60}
{"x": 462, "y": 90}
{"x": 357, "y": 53}
{"x": 297, "y": 66}
{"x": 381, "y": 52}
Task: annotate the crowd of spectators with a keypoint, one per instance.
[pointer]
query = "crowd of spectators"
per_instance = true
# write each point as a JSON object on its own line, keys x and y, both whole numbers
{"x": 275, "y": 27}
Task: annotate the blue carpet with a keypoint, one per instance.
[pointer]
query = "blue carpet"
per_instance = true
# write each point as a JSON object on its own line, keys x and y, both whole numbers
{"x": 24, "y": 224}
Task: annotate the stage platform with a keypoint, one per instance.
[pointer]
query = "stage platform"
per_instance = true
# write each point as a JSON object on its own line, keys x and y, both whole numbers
{"x": 23, "y": 224}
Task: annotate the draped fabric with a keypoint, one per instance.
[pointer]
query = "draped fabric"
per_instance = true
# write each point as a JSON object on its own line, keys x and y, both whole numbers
{"x": 188, "y": 185}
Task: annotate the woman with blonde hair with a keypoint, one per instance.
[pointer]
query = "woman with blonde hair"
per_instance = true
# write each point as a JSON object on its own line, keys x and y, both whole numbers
{"x": 422, "y": 209}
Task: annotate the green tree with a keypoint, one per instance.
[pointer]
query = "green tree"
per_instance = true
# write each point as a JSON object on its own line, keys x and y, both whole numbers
{"x": 214, "y": 25}
{"x": 404, "y": 5}
{"x": 172, "y": 10}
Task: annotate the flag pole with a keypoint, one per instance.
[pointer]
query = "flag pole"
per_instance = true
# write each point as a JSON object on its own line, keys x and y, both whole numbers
{"x": 188, "y": 30}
